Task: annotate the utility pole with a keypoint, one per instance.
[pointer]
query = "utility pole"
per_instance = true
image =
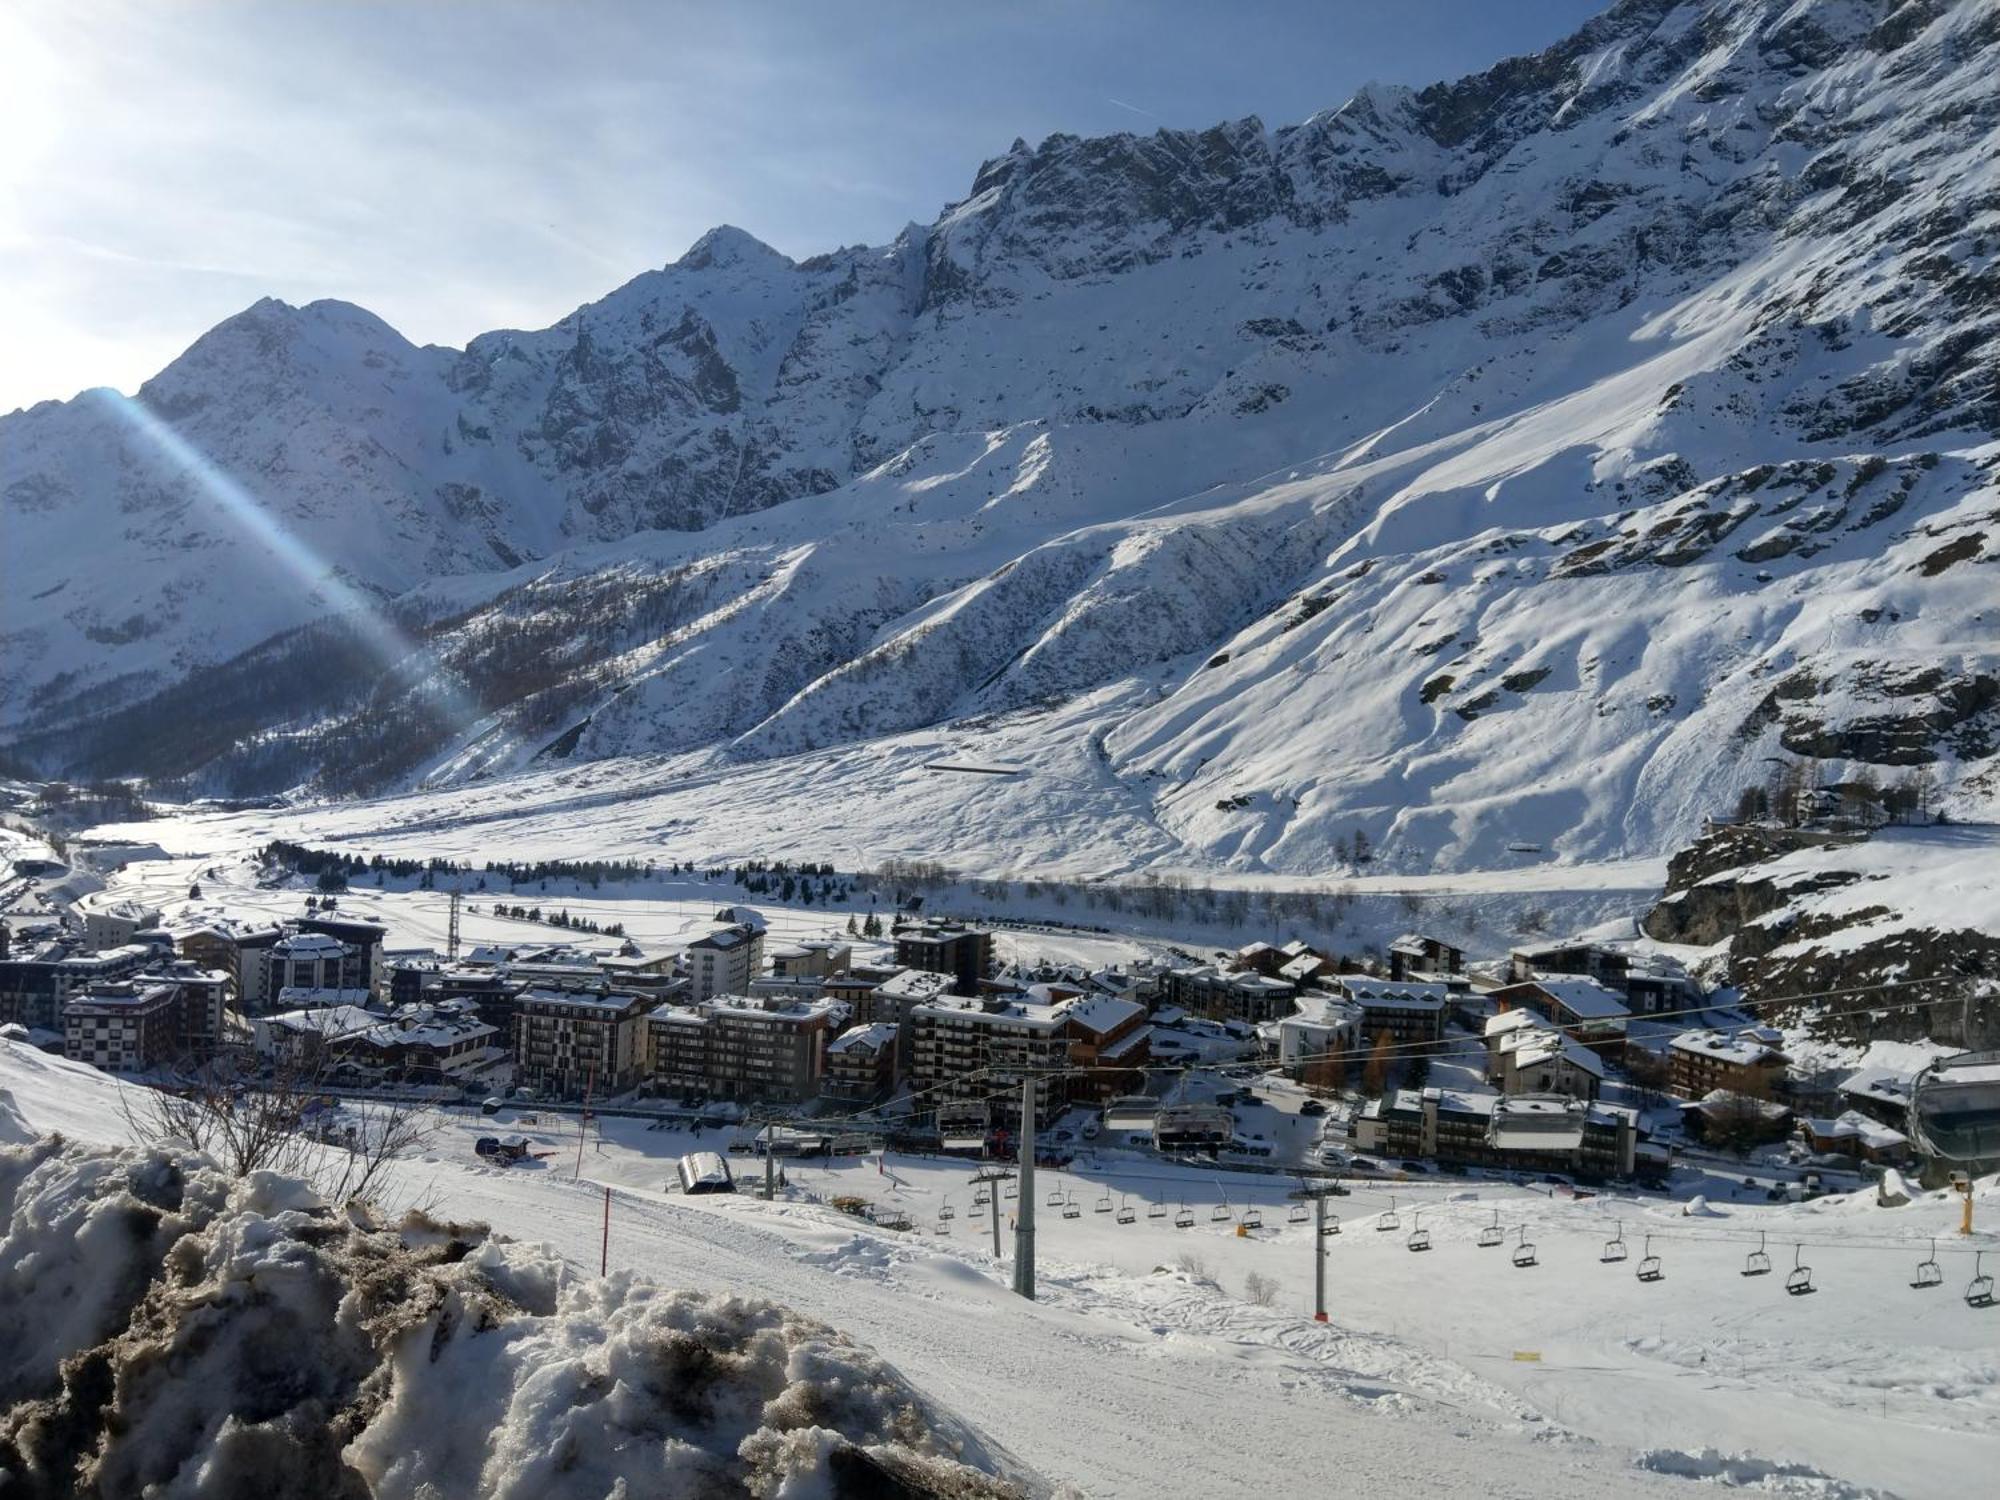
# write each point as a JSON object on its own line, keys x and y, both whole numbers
{"x": 1024, "y": 1219}
{"x": 451, "y": 938}
{"x": 1319, "y": 1193}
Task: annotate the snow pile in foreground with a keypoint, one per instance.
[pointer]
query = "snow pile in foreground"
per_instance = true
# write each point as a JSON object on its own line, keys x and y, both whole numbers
{"x": 173, "y": 1332}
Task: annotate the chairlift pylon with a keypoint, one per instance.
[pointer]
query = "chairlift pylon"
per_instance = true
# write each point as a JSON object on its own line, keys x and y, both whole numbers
{"x": 1650, "y": 1268}
{"x": 1524, "y": 1253}
{"x": 1979, "y": 1290}
{"x": 1757, "y": 1263}
{"x": 1929, "y": 1272}
{"x": 1799, "y": 1282}
{"x": 1614, "y": 1248}
{"x": 1491, "y": 1235}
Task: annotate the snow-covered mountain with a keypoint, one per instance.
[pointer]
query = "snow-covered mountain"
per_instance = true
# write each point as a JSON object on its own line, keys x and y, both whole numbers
{"x": 1510, "y": 465}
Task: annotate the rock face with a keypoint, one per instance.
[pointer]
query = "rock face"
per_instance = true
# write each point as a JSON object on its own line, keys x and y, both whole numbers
{"x": 1544, "y": 449}
{"x": 1895, "y": 936}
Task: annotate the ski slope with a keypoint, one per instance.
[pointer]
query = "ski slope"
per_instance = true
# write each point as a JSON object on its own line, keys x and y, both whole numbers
{"x": 1131, "y": 1377}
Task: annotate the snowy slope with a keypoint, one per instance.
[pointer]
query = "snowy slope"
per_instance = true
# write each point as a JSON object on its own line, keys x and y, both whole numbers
{"x": 1497, "y": 468}
{"x": 1130, "y": 1378}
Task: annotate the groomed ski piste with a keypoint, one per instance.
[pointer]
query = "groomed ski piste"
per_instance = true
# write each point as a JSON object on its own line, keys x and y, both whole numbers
{"x": 1147, "y": 1366}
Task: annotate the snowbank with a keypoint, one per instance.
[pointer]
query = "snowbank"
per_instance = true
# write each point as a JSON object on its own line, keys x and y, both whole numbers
{"x": 173, "y": 1332}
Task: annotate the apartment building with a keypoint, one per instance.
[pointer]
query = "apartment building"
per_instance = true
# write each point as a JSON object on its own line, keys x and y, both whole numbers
{"x": 124, "y": 1026}
{"x": 965, "y": 953}
{"x": 1593, "y": 1013}
{"x": 1748, "y": 1062}
{"x": 110, "y": 922}
{"x": 739, "y": 1047}
{"x": 242, "y": 950}
{"x": 1529, "y": 1132}
{"x": 567, "y": 1042}
{"x": 1228, "y": 994}
{"x": 966, "y": 1048}
{"x": 34, "y": 988}
{"x": 1409, "y": 1011}
{"x": 724, "y": 961}
{"x": 861, "y": 1063}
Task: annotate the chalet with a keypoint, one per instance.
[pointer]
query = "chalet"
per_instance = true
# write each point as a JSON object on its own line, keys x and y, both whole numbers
{"x": 1581, "y": 1008}
{"x": 1526, "y": 1055}
{"x": 308, "y": 1038}
{"x": 861, "y": 1063}
{"x": 1415, "y": 956}
{"x": 1588, "y": 960}
{"x": 1748, "y": 1062}
{"x": 1728, "y": 1118}
{"x": 1107, "y": 1035}
{"x": 444, "y": 1040}
{"x": 1883, "y": 1094}
{"x": 1304, "y": 969}
{"x": 1854, "y": 1134}
{"x": 1260, "y": 958}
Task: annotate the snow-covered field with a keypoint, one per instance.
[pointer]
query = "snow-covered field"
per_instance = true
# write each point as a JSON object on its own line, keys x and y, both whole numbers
{"x": 1140, "y": 1373}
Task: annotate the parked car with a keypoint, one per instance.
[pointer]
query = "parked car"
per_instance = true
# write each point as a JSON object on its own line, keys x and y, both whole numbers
{"x": 493, "y": 1105}
{"x": 1409, "y": 1164}
{"x": 1313, "y": 1107}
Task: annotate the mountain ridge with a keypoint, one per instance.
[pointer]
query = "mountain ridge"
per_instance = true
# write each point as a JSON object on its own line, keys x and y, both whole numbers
{"x": 1125, "y": 404}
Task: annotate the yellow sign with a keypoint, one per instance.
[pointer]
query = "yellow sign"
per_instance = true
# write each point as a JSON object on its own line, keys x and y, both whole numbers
{"x": 1528, "y": 1356}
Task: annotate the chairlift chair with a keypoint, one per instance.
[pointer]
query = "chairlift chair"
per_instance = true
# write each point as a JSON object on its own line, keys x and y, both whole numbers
{"x": 1298, "y": 1213}
{"x": 1929, "y": 1272}
{"x": 1220, "y": 1214}
{"x": 1979, "y": 1290}
{"x": 1010, "y": 1188}
{"x": 1614, "y": 1248}
{"x": 1650, "y": 1268}
{"x": 1104, "y": 1204}
{"x": 1387, "y": 1220}
{"x": 1126, "y": 1213}
{"x": 1156, "y": 1210}
{"x": 1331, "y": 1226}
{"x": 981, "y": 1198}
{"x": 1524, "y": 1253}
{"x": 1757, "y": 1263}
{"x": 1055, "y": 1199}
{"x": 1253, "y": 1218}
{"x": 1071, "y": 1210}
{"x": 944, "y": 1223}
{"x": 1799, "y": 1281}
{"x": 1185, "y": 1218}
{"x": 1420, "y": 1237}
{"x": 1492, "y": 1234}
{"x": 946, "y": 1212}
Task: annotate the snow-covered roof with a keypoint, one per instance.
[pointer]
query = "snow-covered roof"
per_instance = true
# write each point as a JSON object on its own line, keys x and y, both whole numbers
{"x": 1529, "y": 1048}
{"x": 327, "y": 1021}
{"x": 1102, "y": 1013}
{"x": 1888, "y": 1086}
{"x": 914, "y": 984}
{"x": 1741, "y": 1049}
{"x": 1392, "y": 994}
{"x": 876, "y": 1034}
{"x": 1853, "y": 1125}
{"x": 308, "y": 945}
{"x": 1127, "y": 1044}
{"x": 1585, "y": 999}
{"x": 1506, "y": 1022}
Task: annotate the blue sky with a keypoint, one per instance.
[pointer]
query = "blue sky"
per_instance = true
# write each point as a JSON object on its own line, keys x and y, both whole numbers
{"x": 457, "y": 166}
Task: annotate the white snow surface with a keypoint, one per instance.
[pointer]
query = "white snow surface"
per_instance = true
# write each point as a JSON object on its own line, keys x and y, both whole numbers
{"x": 1132, "y": 1377}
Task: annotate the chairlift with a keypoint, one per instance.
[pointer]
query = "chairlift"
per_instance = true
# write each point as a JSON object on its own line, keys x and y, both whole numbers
{"x": 1614, "y": 1248}
{"x": 1492, "y": 1234}
{"x": 1104, "y": 1203}
{"x": 1420, "y": 1237}
{"x": 1055, "y": 1199}
{"x": 1979, "y": 1290}
{"x": 981, "y": 1198}
{"x": 1298, "y": 1213}
{"x": 1070, "y": 1209}
{"x": 1757, "y": 1263}
{"x": 1650, "y": 1268}
{"x": 1185, "y": 1218}
{"x": 946, "y": 1211}
{"x": 1954, "y": 1111}
{"x": 1387, "y": 1220}
{"x": 1524, "y": 1253}
{"x": 1010, "y": 1188}
{"x": 1929, "y": 1272}
{"x": 1220, "y": 1214}
{"x": 944, "y": 1223}
{"x": 1156, "y": 1210}
{"x": 1126, "y": 1213}
{"x": 1799, "y": 1282}
{"x": 1331, "y": 1226}
{"x": 1253, "y": 1218}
